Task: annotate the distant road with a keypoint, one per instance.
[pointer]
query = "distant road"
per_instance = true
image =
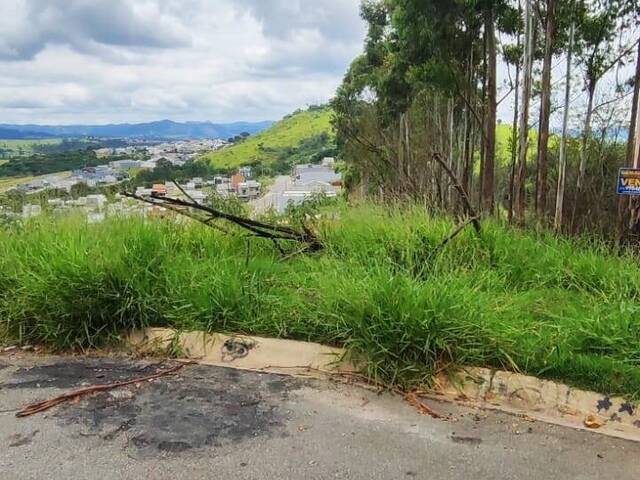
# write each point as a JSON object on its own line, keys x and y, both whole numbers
{"x": 270, "y": 198}
{"x": 8, "y": 183}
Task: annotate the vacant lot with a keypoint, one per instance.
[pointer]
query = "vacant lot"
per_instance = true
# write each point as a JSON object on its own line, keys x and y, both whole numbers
{"x": 382, "y": 287}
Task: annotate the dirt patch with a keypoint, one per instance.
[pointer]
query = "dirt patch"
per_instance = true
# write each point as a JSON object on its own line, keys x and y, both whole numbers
{"x": 202, "y": 406}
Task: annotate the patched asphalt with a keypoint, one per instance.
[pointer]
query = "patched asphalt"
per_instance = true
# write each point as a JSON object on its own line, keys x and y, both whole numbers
{"x": 199, "y": 407}
{"x": 211, "y": 422}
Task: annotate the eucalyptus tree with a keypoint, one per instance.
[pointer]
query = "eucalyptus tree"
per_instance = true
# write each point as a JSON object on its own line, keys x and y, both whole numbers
{"x": 631, "y": 208}
{"x": 545, "y": 108}
{"x": 598, "y": 53}
{"x": 523, "y": 130}
{"x": 562, "y": 159}
{"x": 512, "y": 57}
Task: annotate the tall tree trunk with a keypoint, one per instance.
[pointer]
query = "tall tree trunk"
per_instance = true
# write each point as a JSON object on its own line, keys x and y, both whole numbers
{"x": 468, "y": 128}
{"x": 452, "y": 156}
{"x": 407, "y": 144}
{"x": 482, "y": 126}
{"x": 634, "y": 112}
{"x": 520, "y": 197}
{"x": 514, "y": 142}
{"x": 627, "y": 206}
{"x": 545, "y": 111}
{"x": 514, "y": 127}
{"x": 634, "y": 224}
{"x": 586, "y": 136}
{"x": 488, "y": 178}
{"x": 562, "y": 160}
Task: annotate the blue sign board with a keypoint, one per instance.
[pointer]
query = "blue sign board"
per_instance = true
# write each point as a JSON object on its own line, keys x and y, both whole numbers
{"x": 629, "y": 181}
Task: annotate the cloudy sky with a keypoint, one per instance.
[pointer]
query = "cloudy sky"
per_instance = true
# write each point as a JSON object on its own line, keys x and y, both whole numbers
{"x": 99, "y": 61}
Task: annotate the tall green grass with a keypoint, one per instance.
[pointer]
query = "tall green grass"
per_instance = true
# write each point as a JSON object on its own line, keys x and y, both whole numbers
{"x": 534, "y": 303}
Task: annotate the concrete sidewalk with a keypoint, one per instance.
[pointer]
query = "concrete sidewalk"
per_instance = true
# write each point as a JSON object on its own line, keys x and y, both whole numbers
{"x": 210, "y": 422}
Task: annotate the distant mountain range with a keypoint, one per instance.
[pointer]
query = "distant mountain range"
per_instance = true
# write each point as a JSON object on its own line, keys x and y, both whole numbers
{"x": 160, "y": 129}
{"x": 11, "y": 134}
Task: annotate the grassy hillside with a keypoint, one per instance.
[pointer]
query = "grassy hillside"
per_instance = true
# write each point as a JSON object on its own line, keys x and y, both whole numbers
{"x": 382, "y": 287}
{"x": 503, "y": 144}
{"x": 24, "y": 147}
{"x": 286, "y": 136}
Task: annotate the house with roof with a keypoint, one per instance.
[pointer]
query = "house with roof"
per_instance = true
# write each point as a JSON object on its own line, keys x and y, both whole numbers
{"x": 249, "y": 190}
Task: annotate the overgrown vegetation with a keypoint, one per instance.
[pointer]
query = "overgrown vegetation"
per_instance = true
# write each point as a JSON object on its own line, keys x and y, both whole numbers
{"x": 550, "y": 307}
{"x": 427, "y": 84}
{"x": 166, "y": 171}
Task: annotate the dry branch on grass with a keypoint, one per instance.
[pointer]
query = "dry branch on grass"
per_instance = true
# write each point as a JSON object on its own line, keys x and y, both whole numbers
{"x": 464, "y": 196}
{"x": 275, "y": 233}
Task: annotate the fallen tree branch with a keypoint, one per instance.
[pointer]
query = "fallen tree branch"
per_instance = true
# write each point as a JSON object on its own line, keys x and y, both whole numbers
{"x": 257, "y": 228}
{"x": 183, "y": 191}
{"x": 47, "y": 404}
{"x": 412, "y": 399}
{"x": 469, "y": 210}
{"x": 457, "y": 231}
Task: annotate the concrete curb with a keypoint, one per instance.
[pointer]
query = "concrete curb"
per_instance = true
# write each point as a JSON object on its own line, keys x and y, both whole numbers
{"x": 513, "y": 393}
{"x": 244, "y": 352}
{"x": 542, "y": 400}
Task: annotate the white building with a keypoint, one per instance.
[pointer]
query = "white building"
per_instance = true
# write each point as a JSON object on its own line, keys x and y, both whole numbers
{"x": 95, "y": 217}
{"x": 125, "y": 164}
{"x": 96, "y": 201}
{"x": 198, "y": 195}
{"x": 249, "y": 190}
{"x": 144, "y": 192}
{"x": 30, "y": 211}
{"x": 328, "y": 162}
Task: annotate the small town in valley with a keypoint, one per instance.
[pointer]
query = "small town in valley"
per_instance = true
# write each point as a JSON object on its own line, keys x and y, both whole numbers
{"x": 303, "y": 183}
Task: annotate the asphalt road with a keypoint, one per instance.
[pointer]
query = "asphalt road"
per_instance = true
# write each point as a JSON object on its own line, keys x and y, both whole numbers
{"x": 209, "y": 422}
{"x": 271, "y": 198}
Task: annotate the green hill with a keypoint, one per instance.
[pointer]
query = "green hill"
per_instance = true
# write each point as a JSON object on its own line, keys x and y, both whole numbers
{"x": 301, "y": 136}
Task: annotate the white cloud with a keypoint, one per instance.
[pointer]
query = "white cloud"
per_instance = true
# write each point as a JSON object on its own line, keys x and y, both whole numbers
{"x": 81, "y": 61}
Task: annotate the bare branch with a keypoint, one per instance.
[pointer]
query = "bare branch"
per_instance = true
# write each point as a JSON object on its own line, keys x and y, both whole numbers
{"x": 458, "y": 230}
{"x": 258, "y": 229}
{"x": 183, "y": 192}
{"x": 461, "y": 191}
